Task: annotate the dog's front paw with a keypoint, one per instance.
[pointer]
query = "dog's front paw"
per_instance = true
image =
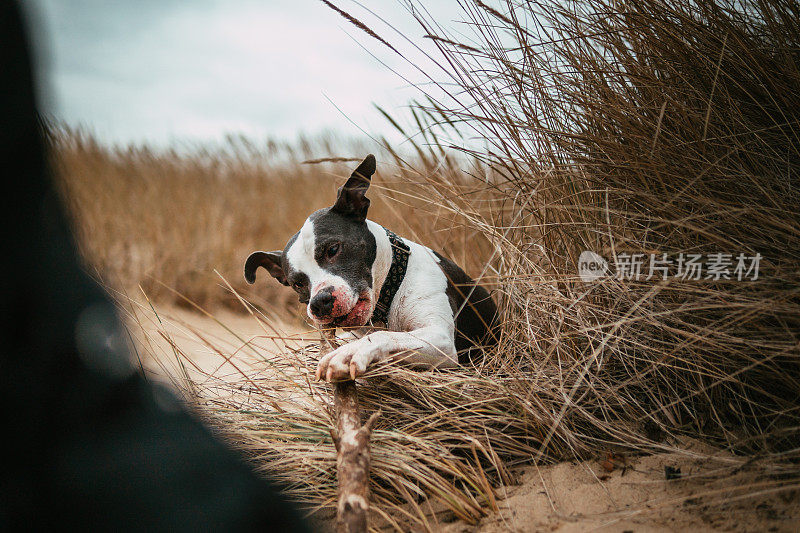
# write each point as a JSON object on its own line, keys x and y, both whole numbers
{"x": 346, "y": 362}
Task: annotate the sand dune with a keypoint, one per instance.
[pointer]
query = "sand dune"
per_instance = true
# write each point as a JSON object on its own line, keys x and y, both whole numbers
{"x": 609, "y": 493}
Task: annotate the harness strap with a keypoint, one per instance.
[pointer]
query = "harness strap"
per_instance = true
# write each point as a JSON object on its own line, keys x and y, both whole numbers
{"x": 397, "y": 272}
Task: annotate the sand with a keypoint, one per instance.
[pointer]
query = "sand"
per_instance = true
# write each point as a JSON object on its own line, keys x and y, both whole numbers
{"x": 584, "y": 496}
{"x": 611, "y": 492}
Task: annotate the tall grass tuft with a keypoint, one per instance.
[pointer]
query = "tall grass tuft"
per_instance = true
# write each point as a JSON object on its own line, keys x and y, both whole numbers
{"x": 645, "y": 127}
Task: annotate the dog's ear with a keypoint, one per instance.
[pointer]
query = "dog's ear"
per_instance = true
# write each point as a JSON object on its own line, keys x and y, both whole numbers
{"x": 351, "y": 199}
{"x": 271, "y": 261}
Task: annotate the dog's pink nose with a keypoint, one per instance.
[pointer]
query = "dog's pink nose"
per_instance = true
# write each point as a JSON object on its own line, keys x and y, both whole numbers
{"x": 321, "y": 304}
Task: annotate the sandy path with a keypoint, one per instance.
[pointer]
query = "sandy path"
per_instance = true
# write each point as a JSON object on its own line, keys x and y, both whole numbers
{"x": 174, "y": 342}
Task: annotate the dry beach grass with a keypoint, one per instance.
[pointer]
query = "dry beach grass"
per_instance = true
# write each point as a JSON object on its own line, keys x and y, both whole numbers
{"x": 633, "y": 127}
{"x": 165, "y": 220}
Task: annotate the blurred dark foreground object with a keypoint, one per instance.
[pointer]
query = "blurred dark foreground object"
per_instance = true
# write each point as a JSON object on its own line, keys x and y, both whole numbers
{"x": 89, "y": 443}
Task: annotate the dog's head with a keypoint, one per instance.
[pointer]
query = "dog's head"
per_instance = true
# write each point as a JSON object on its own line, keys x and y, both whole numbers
{"x": 329, "y": 261}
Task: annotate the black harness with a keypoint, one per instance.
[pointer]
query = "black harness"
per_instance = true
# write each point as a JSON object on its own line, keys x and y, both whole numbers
{"x": 397, "y": 272}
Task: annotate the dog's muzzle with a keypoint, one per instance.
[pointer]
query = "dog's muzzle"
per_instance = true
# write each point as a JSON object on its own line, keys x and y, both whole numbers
{"x": 340, "y": 307}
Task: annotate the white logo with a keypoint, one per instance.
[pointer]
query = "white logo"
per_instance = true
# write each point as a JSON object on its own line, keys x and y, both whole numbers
{"x": 591, "y": 266}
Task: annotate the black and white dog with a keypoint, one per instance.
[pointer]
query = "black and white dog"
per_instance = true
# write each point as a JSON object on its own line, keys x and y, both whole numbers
{"x": 351, "y": 272}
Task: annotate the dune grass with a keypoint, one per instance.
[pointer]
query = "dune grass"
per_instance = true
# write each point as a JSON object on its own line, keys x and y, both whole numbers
{"x": 166, "y": 219}
{"x": 621, "y": 128}
{"x": 650, "y": 127}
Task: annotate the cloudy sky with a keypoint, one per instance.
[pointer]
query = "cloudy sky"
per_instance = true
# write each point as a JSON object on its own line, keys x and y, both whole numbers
{"x": 163, "y": 71}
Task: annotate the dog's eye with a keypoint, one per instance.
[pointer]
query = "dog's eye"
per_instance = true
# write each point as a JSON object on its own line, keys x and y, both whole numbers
{"x": 298, "y": 285}
{"x": 333, "y": 249}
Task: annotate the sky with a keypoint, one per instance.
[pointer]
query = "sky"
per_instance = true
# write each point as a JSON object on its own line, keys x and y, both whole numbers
{"x": 171, "y": 71}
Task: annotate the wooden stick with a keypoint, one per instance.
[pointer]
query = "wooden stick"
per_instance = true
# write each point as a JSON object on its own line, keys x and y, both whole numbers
{"x": 353, "y": 458}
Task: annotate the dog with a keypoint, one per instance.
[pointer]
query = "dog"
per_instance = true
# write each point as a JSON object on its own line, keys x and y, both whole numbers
{"x": 352, "y": 273}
